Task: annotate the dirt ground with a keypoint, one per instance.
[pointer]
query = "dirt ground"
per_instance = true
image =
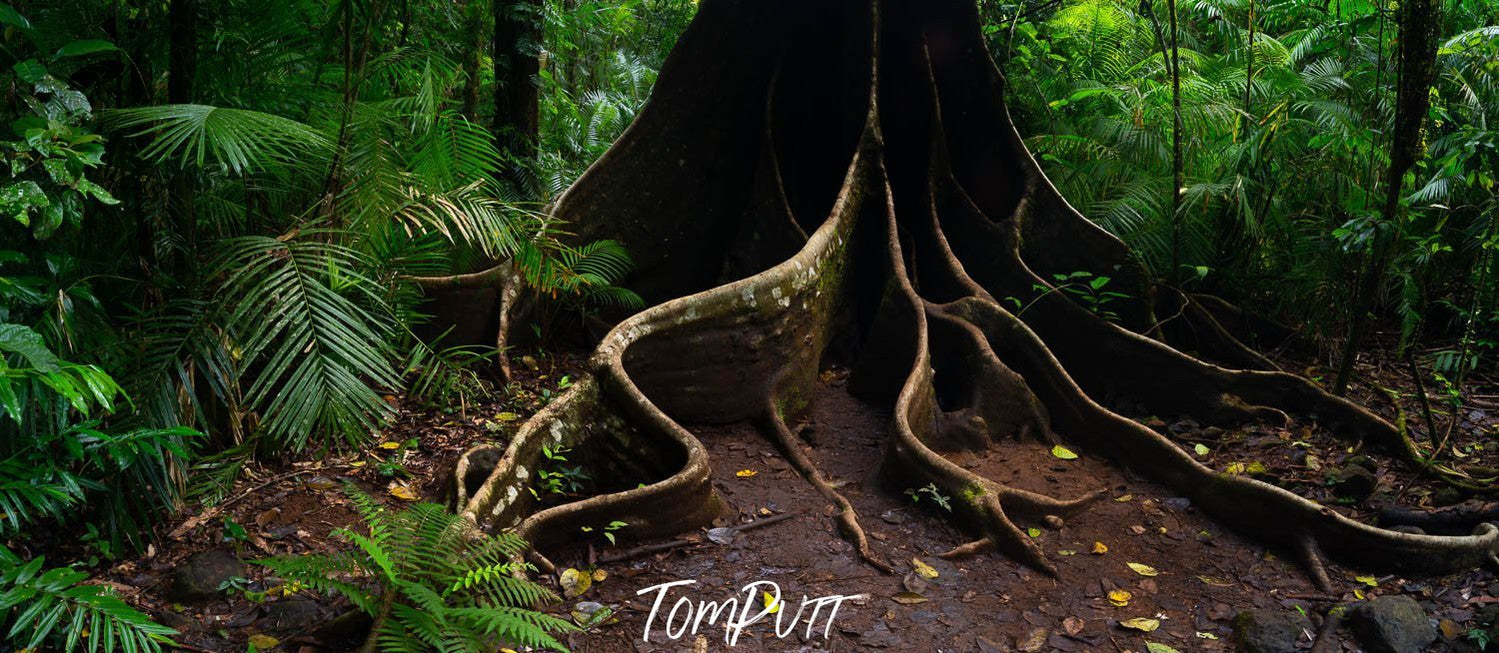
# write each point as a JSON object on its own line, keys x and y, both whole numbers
{"x": 1202, "y": 574}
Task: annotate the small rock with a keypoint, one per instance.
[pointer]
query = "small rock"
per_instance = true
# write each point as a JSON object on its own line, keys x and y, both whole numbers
{"x": 1393, "y": 624}
{"x": 894, "y": 517}
{"x": 1447, "y": 496}
{"x": 1212, "y": 432}
{"x": 1364, "y": 462}
{"x": 292, "y": 615}
{"x": 1053, "y": 522}
{"x": 590, "y": 613}
{"x": 1185, "y": 425}
{"x": 178, "y": 622}
{"x": 1270, "y": 631}
{"x": 1179, "y": 504}
{"x": 199, "y": 577}
{"x": 1354, "y": 482}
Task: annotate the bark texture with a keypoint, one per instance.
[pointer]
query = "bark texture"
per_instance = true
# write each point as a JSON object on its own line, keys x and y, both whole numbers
{"x": 841, "y": 179}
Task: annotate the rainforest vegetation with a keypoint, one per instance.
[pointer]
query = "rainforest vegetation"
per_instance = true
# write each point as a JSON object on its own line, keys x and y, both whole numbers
{"x": 237, "y": 236}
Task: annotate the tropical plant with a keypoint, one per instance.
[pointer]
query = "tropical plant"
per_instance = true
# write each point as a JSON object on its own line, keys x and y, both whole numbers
{"x": 431, "y": 582}
{"x": 56, "y": 609}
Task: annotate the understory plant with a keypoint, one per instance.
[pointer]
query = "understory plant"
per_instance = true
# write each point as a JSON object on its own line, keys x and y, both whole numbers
{"x": 431, "y": 582}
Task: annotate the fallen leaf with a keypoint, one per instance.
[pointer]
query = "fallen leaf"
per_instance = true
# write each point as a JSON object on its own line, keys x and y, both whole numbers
{"x": 357, "y": 464}
{"x": 908, "y": 598}
{"x": 1033, "y": 532}
{"x": 1066, "y": 552}
{"x": 1120, "y": 598}
{"x": 1099, "y": 548}
{"x": 1137, "y": 529}
{"x": 1141, "y": 624}
{"x": 765, "y": 512}
{"x": 1235, "y": 469}
{"x": 1063, "y": 452}
{"x": 1256, "y": 468}
{"x": 772, "y": 604}
{"x": 745, "y": 473}
{"x": 507, "y": 416}
{"x": 1072, "y": 625}
{"x": 403, "y": 492}
{"x": 922, "y": 568}
{"x": 1358, "y": 594}
{"x": 390, "y": 445}
{"x": 1217, "y": 582}
{"x": 1450, "y": 629}
{"x": 1124, "y": 498}
{"x": 264, "y": 642}
{"x": 1203, "y": 635}
{"x": 1201, "y": 449}
{"x": 600, "y": 575}
{"x": 1367, "y": 580}
{"x": 1153, "y": 647}
{"x": 1142, "y": 569}
{"x": 574, "y": 583}
{"x": 722, "y": 535}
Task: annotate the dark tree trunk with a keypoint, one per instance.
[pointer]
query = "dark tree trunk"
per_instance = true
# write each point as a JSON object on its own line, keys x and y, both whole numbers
{"x": 517, "y": 47}
{"x": 815, "y": 180}
{"x": 182, "y": 60}
{"x": 1419, "y": 21}
{"x": 472, "y": 60}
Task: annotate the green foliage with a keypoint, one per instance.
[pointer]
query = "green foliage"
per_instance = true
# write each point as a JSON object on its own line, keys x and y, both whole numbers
{"x": 431, "y": 582}
{"x": 55, "y": 608}
{"x": 1286, "y": 142}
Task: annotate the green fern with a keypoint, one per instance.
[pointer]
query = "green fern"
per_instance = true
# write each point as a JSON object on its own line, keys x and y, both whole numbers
{"x": 431, "y": 582}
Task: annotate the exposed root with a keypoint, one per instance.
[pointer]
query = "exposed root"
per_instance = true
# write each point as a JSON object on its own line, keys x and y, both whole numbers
{"x": 1311, "y": 560}
{"x": 848, "y": 518}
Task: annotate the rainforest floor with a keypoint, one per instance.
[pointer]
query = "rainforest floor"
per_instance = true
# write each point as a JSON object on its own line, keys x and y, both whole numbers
{"x": 1203, "y": 574}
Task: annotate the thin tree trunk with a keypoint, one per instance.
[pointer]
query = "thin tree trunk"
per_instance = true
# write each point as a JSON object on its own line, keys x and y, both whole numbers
{"x": 517, "y": 37}
{"x": 1249, "y": 68}
{"x": 472, "y": 59}
{"x": 182, "y": 61}
{"x": 1417, "y": 55}
{"x": 1177, "y": 176}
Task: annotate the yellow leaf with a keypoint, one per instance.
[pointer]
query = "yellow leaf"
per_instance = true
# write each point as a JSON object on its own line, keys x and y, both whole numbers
{"x": 574, "y": 583}
{"x": 745, "y": 473}
{"x": 390, "y": 445}
{"x": 356, "y": 464}
{"x": 1235, "y": 469}
{"x": 1203, "y": 635}
{"x": 923, "y": 569}
{"x": 1141, "y": 624}
{"x": 507, "y": 416}
{"x": 1066, "y": 552}
{"x": 1063, "y": 452}
{"x": 1099, "y": 548}
{"x": 771, "y": 603}
{"x": 1219, "y": 582}
{"x": 1143, "y": 570}
{"x": 1367, "y": 580}
{"x": 403, "y": 492}
{"x": 264, "y": 642}
{"x": 1124, "y": 498}
{"x": 1201, "y": 449}
{"x": 1255, "y": 468}
{"x": 1358, "y": 594}
{"x": 1033, "y": 532}
{"x": 599, "y": 575}
{"x": 1152, "y": 647}
{"x": 1120, "y": 598}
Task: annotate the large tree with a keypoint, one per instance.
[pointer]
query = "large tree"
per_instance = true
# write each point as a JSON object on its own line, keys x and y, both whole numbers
{"x": 840, "y": 180}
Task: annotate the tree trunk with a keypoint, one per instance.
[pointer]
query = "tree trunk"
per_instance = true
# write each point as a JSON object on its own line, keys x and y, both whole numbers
{"x": 182, "y": 61}
{"x": 517, "y": 45}
{"x": 1419, "y": 21}
{"x": 841, "y": 181}
{"x": 472, "y": 60}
